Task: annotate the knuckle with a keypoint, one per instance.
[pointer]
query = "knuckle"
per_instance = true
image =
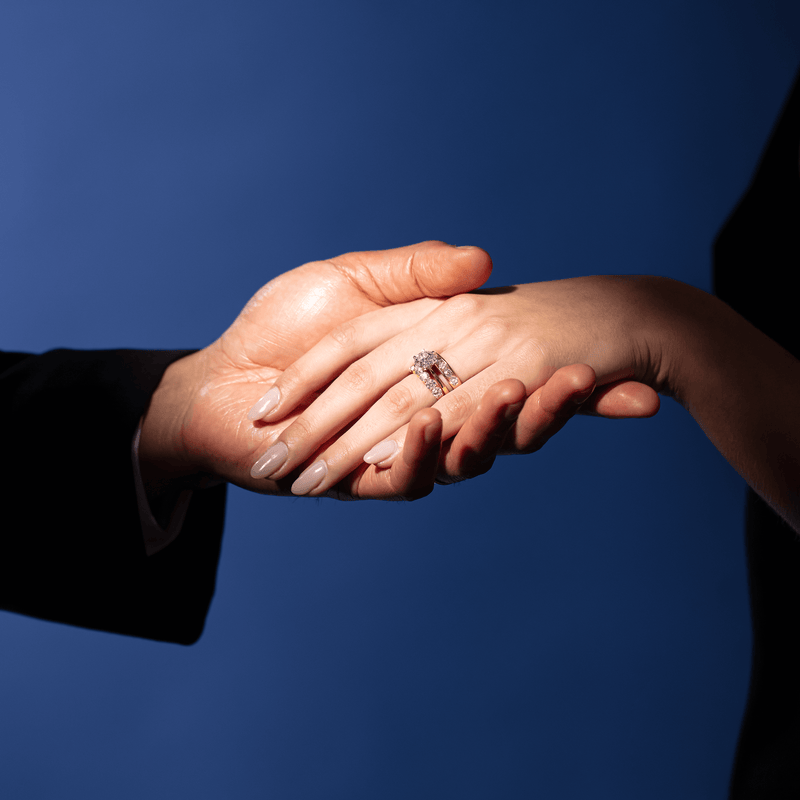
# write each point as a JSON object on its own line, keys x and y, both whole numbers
{"x": 463, "y": 305}
{"x": 346, "y": 453}
{"x": 291, "y": 382}
{"x": 492, "y": 329}
{"x": 399, "y": 401}
{"x": 357, "y": 377}
{"x": 531, "y": 351}
{"x": 300, "y": 430}
{"x": 344, "y": 336}
{"x": 459, "y": 405}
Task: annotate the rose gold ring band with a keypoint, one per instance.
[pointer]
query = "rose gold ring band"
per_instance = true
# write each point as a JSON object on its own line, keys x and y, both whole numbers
{"x": 435, "y": 373}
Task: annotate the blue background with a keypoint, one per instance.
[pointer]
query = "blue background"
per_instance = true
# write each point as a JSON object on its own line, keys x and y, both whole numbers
{"x": 580, "y": 626}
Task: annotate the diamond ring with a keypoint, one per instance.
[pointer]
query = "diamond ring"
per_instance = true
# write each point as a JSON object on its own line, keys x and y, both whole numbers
{"x": 434, "y": 372}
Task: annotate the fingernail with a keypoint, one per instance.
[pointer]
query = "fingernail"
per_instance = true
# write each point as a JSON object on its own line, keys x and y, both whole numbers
{"x": 382, "y": 451}
{"x": 265, "y": 404}
{"x": 583, "y": 397}
{"x": 311, "y": 478}
{"x": 512, "y": 412}
{"x": 431, "y": 432}
{"x": 271, "y": 461}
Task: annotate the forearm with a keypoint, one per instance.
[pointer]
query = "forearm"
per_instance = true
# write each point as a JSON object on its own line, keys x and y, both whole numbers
{"x": 742, "y": 388}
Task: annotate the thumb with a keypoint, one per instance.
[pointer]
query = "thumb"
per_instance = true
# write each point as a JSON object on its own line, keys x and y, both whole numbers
{"x": 428, "y": 269}
{"x": 623, "y": 399}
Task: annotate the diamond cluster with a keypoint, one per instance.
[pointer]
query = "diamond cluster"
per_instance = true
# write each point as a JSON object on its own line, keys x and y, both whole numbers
{"x": 431, "y": 368}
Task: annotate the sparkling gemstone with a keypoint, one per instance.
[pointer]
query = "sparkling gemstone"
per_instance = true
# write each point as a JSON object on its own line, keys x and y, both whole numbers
{"x": 425, "y": 359}
{"x": 454, "y": 381}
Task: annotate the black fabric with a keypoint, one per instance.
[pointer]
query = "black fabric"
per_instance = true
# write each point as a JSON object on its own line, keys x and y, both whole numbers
{"x": 756, "y": 261}
{"x": 71, "y": 549}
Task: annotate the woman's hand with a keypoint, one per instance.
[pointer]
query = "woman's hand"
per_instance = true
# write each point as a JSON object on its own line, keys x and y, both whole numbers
{"x": 524, "y": 332}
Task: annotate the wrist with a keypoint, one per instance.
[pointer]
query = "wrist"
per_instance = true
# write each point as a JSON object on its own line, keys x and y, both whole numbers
{"x": 166, "y": 464}
{"x": 698, "y": 339}
{"x": 673, "y": 335}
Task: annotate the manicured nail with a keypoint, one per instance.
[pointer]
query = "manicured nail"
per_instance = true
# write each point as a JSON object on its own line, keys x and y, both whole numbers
{"x": 382, "y": 451}
{"x": 271, "y": 461}
{"x": 265, "y": 404}
{"x": 311, "y": 478}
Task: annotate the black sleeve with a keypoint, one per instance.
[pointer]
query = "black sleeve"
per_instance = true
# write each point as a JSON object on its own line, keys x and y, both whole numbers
{"x": 756, "y": 261}
{"x": 71, "y": 543}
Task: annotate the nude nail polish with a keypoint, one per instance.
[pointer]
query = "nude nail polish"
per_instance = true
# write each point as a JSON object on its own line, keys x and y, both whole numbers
{"x": 381, "y": 452}
{"x": 265, "y": 404}
{"x": 311, "y": 478}
{"x": 271, "y": 461}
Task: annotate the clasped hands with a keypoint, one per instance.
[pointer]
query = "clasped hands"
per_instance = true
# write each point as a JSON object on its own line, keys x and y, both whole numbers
{"x": 313, "y": 376}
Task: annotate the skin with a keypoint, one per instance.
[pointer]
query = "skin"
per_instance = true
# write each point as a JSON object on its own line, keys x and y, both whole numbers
{"x": 196, "y": 429}
{"x": 738, "y": 384}
{"x": 524, "y": 333}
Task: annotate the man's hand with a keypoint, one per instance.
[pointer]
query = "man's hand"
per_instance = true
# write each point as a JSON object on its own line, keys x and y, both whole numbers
{"x": 506, "y": 422}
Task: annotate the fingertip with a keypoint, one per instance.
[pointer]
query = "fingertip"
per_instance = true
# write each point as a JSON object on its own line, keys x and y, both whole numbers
{"x": 383, "y": 454}
{"x": 423, "y": 435}
{"x": 581, "y": 379}
{"x": 426, "y": 417}
{"x": 506, "y": 392}
{"x": 501, "y": 401}
{"x": 432, "y": 430}
{"x": 624, "y": 400}
{"x": 478, "y": 265}
{"x": 580, "y": 396}
{"x": 412, "y": 475}
{"x": 264, "y": 407}
{"x": 648, "y": 403}
{"x": 453, "y": 270}
{"x": 567, "y": 388}
{"x": 424, "y": 428}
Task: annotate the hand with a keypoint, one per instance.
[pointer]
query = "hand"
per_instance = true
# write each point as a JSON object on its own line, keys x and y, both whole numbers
{"x": 527, "y": 332}
{"x": 197, "y": 422}
{"x": 506, "y": 423}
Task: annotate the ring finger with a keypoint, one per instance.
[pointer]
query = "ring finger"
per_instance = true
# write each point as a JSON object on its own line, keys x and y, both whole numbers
{"x": 350, "y": 395}
{"x": 396, "y": 407}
